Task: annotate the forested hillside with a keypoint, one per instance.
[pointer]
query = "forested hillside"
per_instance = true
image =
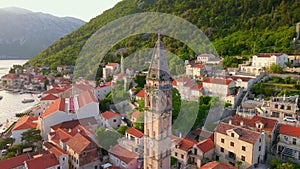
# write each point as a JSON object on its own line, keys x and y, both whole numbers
{"x": 236, "y": 27}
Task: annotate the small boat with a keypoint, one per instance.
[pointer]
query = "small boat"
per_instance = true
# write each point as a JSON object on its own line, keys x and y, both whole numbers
{"x": 1, "y": 97}
{"x": 27, "y": 100}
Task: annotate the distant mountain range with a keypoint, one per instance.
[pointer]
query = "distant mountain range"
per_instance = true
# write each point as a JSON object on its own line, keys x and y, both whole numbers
{"x": 24, "y": 33}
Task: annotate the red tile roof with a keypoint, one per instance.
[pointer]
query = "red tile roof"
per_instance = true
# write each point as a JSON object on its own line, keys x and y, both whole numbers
{"x": 217, "y": 165}
{"x": 49, "y": 97}
{"x": 217, "y": 81}
{"x": 141, "y": 93}
{"x": 197, "y": 87}
{"x": 244, "y": 134}
{"x": 135, "y": 132}
{"x": 198, "y": 66}
{"x": 78, "y": 143}
{"x": 86, "y": 98}
{"x": 174, "y": 83}
{"x": 244, "y": 79}
{"x": 135, "y": 114}
{"x": 206, "y": 145}
{"x": 58, "y": 105}
{"x": 269, "y": 124}
{"x": 44, "y": 161}
{"x": 269, "y": 54}
{"x": 10, "y": 76}
{"x": 57, "y": 151}
{"x": 109, "y": 114}
{"x": 123, "y": 154}
{"x": 54, "y": 91}
{"x": 185, "y": 144}
{"x": 14, "y": 162}
{"x": 105, "y": 84}
{"x": 289, "y": 130}
{"x": 112, "y": 64}
{"x": 25, "y": 123}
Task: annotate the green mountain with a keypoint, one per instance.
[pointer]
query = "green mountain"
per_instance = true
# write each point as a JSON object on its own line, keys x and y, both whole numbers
{"x": 236, "y": 27}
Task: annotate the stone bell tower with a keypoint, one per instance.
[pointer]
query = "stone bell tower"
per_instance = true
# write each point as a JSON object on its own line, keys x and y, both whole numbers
{"x": 158, "y": 115}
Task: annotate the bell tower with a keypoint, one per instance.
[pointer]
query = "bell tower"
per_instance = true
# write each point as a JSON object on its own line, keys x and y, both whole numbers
{"x": 158, "y": 114}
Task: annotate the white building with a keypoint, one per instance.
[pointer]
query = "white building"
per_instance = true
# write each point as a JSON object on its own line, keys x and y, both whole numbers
{"x": 110, "y": 119}
{"x": 218, "y": 87}
{"x": 65, "y": 109}
{"x": 110, "y": 69}
{"x": 23, "y": 124}
{"x": 265, "y": 60}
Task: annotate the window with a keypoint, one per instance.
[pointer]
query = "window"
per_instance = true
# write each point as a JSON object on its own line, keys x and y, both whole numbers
{"x": 259, "y": 148}
{"x": 232, "y": 134}
{"x": 176, "y": 154}
{"x": 114, "y": 120}
{"x": 222, "y": 140}
{"x": 294, "y": 141}
{"x": 222, "y": 149}
{"x": 182, "y": 156}
{"x": 232, "y": 144}
{"x": 243, "y": 158}
{"x": 243, "y": 148}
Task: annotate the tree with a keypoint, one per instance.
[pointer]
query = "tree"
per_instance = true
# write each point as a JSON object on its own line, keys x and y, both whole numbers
{"x": 274, "y": 68}
{"x": 31, "y": 136}
{"x": 122, "y": 129}
{"x": 139, "y": 124}
{"x": 107, "y": 138}
{"x": 5, "y": 142}
{"x": 239, "y": 163}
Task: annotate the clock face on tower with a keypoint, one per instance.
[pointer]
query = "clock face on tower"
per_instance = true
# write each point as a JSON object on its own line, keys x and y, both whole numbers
{"x": 150, "y": 143}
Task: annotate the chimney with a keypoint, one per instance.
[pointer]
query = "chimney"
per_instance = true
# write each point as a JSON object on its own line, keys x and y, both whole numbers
{"x": 180, "y": 135}
{"x": 242, "y": 123}
{"x": 230, "y": 122}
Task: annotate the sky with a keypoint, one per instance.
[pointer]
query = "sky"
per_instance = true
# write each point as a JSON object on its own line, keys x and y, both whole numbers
{"x": 81, "y": 9}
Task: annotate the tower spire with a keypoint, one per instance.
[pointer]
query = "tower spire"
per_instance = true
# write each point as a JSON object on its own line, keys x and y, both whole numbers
{"x": 159, "y": 66}
{"x": 122, "y": 64}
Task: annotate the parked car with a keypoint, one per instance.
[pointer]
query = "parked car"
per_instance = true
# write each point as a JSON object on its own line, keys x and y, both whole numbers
{"x": 3, "y": 152}
{"x": 290, "y": 119}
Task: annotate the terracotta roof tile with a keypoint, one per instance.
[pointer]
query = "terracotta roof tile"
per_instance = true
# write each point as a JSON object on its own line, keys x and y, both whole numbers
{"x": 10, "y": 76}
{"x": 198, "y": 66}
{"x": 78, "y": 143}
{"x": 244, "y": 79}
{"x": 135, "y": 132}
{"x": 217, "y": 81}
{"x": 112, "y": 64}
{"x": 49, "y": 97}
{"x": 141, "y": 93}
{"x": 269, "y": 54}
{"x": 57, "y": 151}
{"x": 109, "y": 114}
{"x": 27, "y": 122}
{"x": 86, "y": 98}
{"x": 14, "y": 162}
{"x": 245, "y": 134}
{"x": 44, "y": 161}
{"x": 217, "y": 165}
{"x": 197, "y": 87}
{"x": 135, "y": 114}
{"x": 269, "y": 124}
{"x": 185, "y": 144}
{"x": 58, "y": 105}
{"x": 54, "y": 91}
{"x": 206, "y": 145}
{"x": 289, "y": 130}
{"x": 123, "y": 154}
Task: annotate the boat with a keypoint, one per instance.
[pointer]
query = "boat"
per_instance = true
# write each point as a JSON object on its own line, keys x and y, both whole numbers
{"x": 1, "y": 97}
{"x": 27, "y": 100}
